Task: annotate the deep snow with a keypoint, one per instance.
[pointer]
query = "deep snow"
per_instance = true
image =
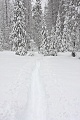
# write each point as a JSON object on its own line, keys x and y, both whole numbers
{"x": 39, "y": 88}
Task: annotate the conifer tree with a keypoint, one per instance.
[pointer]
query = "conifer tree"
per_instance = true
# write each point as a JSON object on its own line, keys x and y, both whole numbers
{"x": 19, "y": 34}
{"x": 63, "y": 8}
{"x": 28, "y": 21}
{"x": 37, "y": 18}
{"x": 66, "y": 40}
{"x": 44, "y": 48}
{"x": 73, "y": 24}
{"x": 53, "y": 43}
{"x": 49, "y": 45}
{"x": 62, "y": 13}
{"x": 4, "y": 21}
{"x": 1, "y": 40}
{"x": 58, "y": 33}
{"x": 51, "y": 10}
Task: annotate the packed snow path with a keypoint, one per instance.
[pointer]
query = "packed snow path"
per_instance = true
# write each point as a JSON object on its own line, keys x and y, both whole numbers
{"x": 36, "y": 106}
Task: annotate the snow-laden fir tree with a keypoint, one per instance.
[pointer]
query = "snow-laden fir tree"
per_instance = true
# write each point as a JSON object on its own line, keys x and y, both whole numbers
{"x": 45, "y": 45}
{"x": 58, "y": 33}
{"x": 63, "y": 8}
{"x": 66, "y": 39}
{"x": 28, "y": 15}
{"x": 48, "y": 15}
{"x": 49, "y": 43}
{"x": 73, "y": 24}
{"x": 1, "y": 40}
{"x": 53, "y": 43}
{"x": 44, "y": 39}
{"x": 5, "y": 22}
{"x": 77, "y": 8}
{"x": 62, "y": 13}
{"x": 19, "y": 34}
{"x": 37, "y": 19}
{"x": 51, "y": 10}
{"x": 79, "y": 29}
{"x": 78, "y": 39}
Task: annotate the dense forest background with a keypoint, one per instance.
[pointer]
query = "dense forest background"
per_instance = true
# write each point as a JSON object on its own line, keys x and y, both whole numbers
{"x": 25, "y": 27}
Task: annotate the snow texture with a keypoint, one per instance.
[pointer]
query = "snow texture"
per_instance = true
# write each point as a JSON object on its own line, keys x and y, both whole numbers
{"x": 39, "y": 88}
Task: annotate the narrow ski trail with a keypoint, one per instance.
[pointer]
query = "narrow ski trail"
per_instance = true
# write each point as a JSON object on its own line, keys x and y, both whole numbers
{"x": 37, "y": 105}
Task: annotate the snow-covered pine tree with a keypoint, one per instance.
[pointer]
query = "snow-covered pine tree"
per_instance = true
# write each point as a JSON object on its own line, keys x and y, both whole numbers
{"x": 44, "y": 40}
{"x": 1, "y": 40}
{"x": 78, "y": 21}
{"x": 37, "y": 19}
{"x": 62, "y": 13}
{"x": 73, "y": 24}
{"x": 45, "y": 45}
{"x": 48, "y": 15}
{"x": 66, "y": 41}
{"x": 19, "y": 34}
{"x": 63, "y": 8}
{"x": 49, "y": 43}
{"x": 28, "y": 15}
{"x": 51, "y": 10}
{"x": 53, "y": 43}
{"x": 58, "y": 33}
{"x": 78, "y": 39}
{"x": 4, "y": 22}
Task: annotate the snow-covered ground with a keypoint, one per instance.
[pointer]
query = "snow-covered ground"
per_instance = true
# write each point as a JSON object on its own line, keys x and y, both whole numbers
{"x": 39, "y": 88}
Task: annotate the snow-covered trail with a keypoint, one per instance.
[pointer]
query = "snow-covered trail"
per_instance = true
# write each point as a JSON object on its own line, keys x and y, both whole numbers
{"x": 36, "y": 108}
{"x": 39, "y": 88}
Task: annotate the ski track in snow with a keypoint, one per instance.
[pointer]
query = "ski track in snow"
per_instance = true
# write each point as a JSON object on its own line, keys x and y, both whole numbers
{"x": 36, "y": 107}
